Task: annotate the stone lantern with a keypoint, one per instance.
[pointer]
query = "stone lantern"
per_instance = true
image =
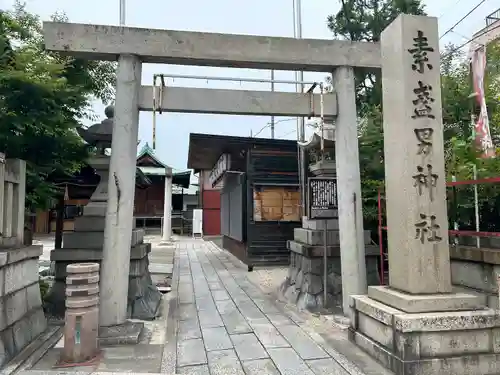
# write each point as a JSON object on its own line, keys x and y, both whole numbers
{"x": 85, "y": 243}
{"x": 304, "y": 285}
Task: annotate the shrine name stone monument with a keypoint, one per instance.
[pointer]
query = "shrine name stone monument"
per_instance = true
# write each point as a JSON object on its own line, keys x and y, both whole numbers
{"x": 417, "y": 325}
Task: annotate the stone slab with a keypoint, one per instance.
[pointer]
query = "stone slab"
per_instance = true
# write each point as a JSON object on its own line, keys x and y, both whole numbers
{"x": 269, "y": 336}
{"x": 288, "y": 362}
{"x": 194, "y": 370}
{"x": 317, "y": 251}
{"x": 124, "y": 334}
{"x": 473, "y": 364}
{"x": 95, "y": 240}
{"x": 87, "y": 223}
{"x": 316, "y": 237}
{"x": 332, "y": 224}
{"x": 189, "y": 329}
{"x": 224, "y": 362}
{"x": 305, "y": 347}
{"x": 191, "y": 352}
{"x": 85, "y": 255}
{"x": 248, "y": 347}
{"x": 216, "y": 339}
{"x": 424, "y": 303}
{"x": 260, "y": 367}
{"x": 16, "y": 255}
{"x": 326, "y": 366}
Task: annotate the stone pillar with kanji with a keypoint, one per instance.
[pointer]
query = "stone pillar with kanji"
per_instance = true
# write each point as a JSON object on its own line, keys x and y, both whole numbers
{"x": 417, "y": 324}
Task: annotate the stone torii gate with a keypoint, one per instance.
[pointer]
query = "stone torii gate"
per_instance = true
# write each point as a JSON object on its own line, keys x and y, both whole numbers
{"x": 134, "y": 46}
{"x": 417, "y": 324}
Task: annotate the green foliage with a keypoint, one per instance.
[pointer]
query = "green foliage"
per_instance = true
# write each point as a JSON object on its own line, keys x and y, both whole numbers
{"x": 364, "y": 20}
{"x": 44, "y": 288}
{"x": 43, "y": 99}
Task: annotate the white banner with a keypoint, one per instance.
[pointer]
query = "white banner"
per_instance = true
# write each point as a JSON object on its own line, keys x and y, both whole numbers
{"x": 481, "y": 127}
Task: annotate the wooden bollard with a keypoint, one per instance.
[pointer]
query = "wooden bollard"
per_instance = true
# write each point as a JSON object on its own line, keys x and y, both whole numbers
{"x": 82, "y": 313}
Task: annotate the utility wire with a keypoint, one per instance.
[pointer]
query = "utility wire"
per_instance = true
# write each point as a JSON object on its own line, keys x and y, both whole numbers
{"x": 270, "y": 123}
{"x": 468, "y": 41}
{"x": 462, "y": 19}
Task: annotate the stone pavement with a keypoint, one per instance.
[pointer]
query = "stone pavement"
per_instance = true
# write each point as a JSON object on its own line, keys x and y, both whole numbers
{"x": 226, "y": 325}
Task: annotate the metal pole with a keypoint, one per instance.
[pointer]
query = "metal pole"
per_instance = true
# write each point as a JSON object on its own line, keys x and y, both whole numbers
{"x": 122, "y": 12}
{"x": 325, "y": 265}
{"x": 272, "y": 117}
{"x": 299, "y": 77}
{"x": 235, "y": 79}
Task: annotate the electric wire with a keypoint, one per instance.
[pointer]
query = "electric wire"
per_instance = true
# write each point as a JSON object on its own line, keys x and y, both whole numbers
{"x": 469, "y": 41}
{"x": 462, "y": 19}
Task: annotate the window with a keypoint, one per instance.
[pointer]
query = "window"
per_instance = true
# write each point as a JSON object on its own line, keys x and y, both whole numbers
{"x": 276, "y": 203}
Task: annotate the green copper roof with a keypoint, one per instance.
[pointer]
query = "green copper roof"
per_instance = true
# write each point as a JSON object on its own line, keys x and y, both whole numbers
{"x": 146, "y": 150}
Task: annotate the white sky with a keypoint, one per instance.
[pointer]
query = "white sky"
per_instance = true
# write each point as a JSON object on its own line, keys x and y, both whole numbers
{"x": 258, "y": 17}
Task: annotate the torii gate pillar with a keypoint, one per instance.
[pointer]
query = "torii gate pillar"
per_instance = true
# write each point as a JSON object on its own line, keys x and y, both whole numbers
{"x": 121, "y": 189}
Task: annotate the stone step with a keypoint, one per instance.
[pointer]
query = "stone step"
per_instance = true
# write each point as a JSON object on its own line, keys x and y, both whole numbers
{"x": 316, "y": 237}
{"x": 75, "y": 255}
{"x": 95, "y": 240}
{"x": 317, "y": 250}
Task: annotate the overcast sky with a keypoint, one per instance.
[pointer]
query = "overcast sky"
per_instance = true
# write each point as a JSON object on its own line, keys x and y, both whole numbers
{"x": 259, "y": 17}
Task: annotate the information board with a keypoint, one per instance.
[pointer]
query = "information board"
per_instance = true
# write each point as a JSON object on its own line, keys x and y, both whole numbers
{"x": 322, "y": 198}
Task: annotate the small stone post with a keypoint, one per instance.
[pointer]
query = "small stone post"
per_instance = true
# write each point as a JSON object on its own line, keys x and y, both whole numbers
{"x": 82, "y": 313}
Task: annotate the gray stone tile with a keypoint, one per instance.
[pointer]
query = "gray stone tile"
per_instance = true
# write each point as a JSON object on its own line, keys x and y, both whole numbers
{"x": 288, "y": 362}
{"x": 248, "y": 347}
{"x": 194, "y": 370}
{"x": 269, "y": 336}
{"x": 215, "y": 285}
{"x": 260, "y": 367}
{"x": 226, "y": 306}
{"x": 250, "y": 311}
{"x": 302, "y": 343}
{"x": 210, "y": 319}
{"x": 224, "y": 362}
{"x": 187, "y": 311}
{"x": 189, "y": 329}
{"x": 280, "y": 320}
{"x": 205, "y": 303}
{"x": 216, "y": 339}
{"x": 326, "y": 366}
{"x": 235, "y": 323}
{"x": 220, "y": 295}
{"x": 191, "y": 352}
{"x": 266, "y": 306}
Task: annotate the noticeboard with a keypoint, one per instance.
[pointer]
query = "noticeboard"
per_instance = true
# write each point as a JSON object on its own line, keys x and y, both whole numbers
{"x": 322, "y": 198}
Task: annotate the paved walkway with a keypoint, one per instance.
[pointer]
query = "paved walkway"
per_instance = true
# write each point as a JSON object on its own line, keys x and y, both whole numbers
{"x": 227, "y": 325}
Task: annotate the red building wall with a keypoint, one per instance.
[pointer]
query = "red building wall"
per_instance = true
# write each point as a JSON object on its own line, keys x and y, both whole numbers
{"x": 210, "y": 201}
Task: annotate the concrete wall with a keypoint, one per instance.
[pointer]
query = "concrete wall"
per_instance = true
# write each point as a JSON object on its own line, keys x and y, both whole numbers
{"x": 21, "y": 314}
{"x": 475, "y": 271}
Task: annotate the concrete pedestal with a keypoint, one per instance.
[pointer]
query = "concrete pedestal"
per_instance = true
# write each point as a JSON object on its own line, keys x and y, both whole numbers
{"x": 461, "y": 339}
{"x": 304, "y": 284}
{"x": 85, "y": 244}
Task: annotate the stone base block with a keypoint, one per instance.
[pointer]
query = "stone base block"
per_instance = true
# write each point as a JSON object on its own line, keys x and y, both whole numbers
{"x": 95, "y": 240}
{"x": 304, "y": 283}
{"x": 444, "y": 343}
{"x": 316, "y": 237}
{"x": 89, "y": 223}
{"x": 128, "y": 333}
{"x": 421, "y": 303}
{"x": 332, "y": 224}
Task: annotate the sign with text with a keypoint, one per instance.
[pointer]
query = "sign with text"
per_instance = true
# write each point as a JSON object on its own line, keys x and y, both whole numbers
{"x": 222, "y": 165}
{"x": 322, "y": 198}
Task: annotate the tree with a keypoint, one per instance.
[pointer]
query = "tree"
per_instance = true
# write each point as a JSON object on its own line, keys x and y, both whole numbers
{"x": 364, "y": 20}
{"x": 44, "y": 97}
